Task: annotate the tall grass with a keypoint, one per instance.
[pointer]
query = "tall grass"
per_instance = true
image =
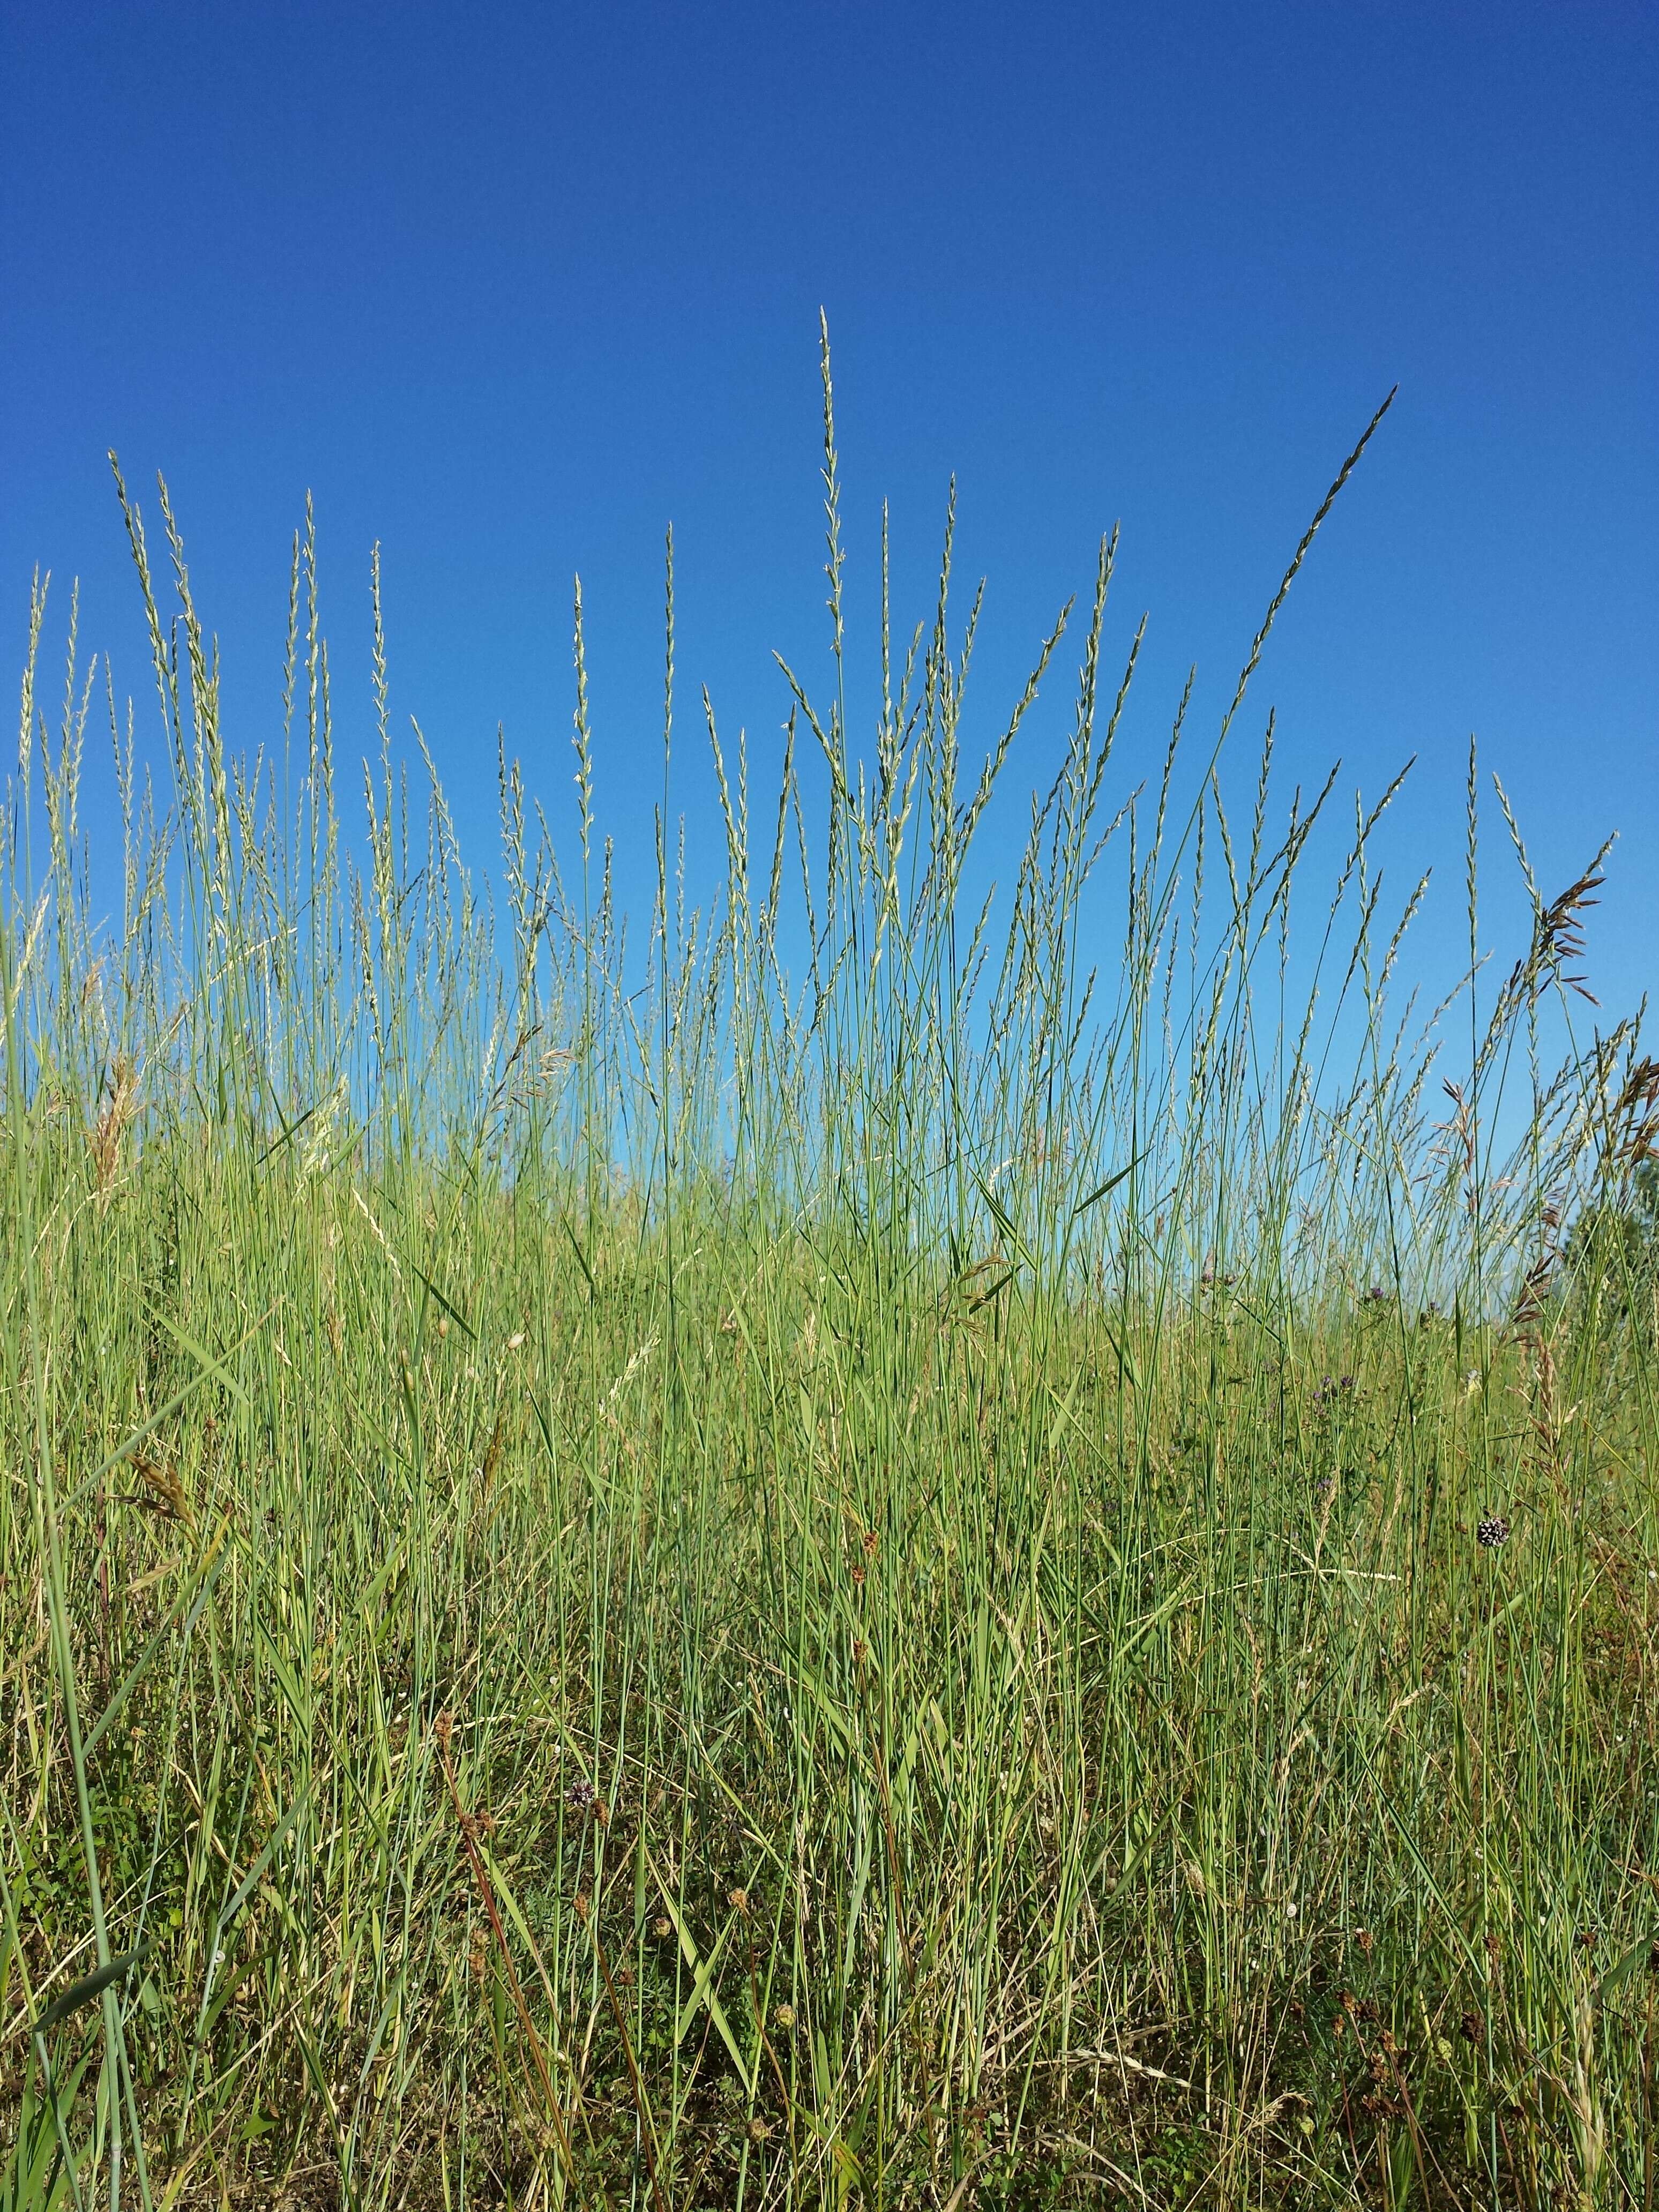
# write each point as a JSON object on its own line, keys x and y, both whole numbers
{"x": 831, "y": 1555}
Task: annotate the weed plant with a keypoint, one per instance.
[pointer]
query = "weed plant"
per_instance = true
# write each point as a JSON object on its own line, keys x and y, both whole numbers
{"x": 837, "y": 1558}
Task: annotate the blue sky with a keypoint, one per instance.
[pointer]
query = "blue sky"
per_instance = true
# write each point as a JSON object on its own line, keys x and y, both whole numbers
{"x": 508, "y": 288}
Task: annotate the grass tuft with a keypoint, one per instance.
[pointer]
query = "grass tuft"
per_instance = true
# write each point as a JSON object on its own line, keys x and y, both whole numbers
{"x": 828, "y": 1554}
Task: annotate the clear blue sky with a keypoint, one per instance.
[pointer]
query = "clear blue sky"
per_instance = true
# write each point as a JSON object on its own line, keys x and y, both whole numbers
{"x": 510, "y": 287}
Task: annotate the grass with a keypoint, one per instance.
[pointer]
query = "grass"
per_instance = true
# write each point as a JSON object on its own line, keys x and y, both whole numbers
{"x": 824, "y": 1560}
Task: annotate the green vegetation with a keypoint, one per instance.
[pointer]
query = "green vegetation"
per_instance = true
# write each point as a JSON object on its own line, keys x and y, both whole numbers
{"x": 841, "y": 1557}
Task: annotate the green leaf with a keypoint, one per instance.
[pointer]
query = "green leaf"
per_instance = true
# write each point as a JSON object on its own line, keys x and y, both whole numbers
{"x": 90, "y": 1986}
{"x": 702, "y": 1989}
{"x": 1110, "y": 1184}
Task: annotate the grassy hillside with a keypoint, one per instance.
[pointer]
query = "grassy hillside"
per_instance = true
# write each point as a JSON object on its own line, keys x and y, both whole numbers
{"x": 823, "y": 1558}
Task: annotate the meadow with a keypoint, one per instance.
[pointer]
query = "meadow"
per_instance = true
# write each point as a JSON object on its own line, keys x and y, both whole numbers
{"x": 870, "y": 1547}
